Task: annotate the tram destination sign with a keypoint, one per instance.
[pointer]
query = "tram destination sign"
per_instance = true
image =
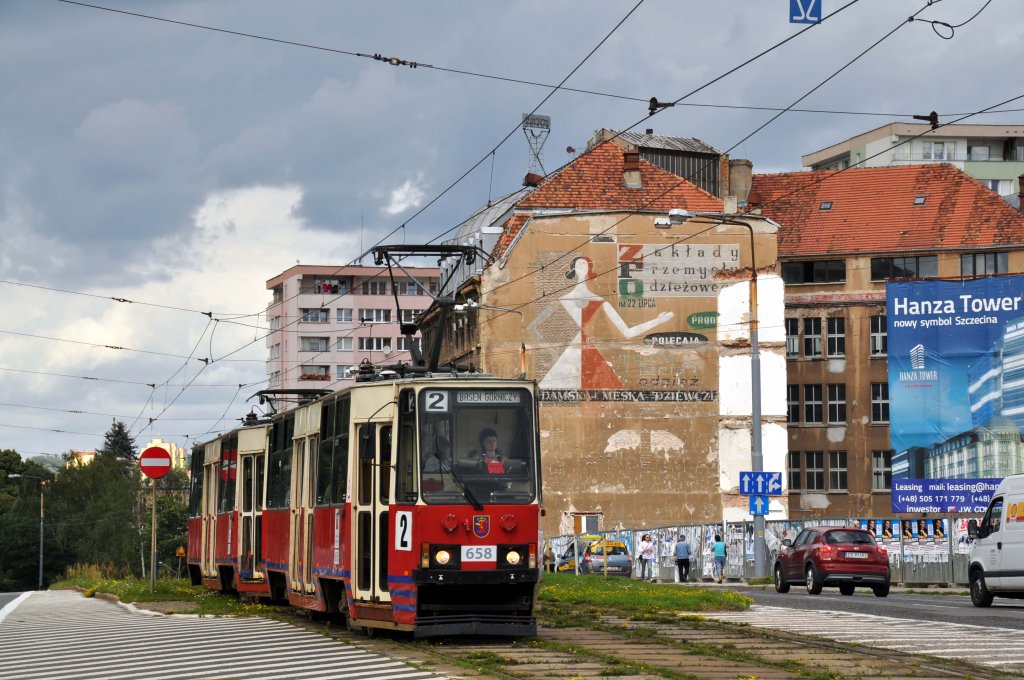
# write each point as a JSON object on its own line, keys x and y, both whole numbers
{"x": 485, "y": 397}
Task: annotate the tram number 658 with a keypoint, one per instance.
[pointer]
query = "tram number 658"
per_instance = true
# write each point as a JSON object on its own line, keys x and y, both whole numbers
{"x": 479, "y": 553}
{"x": 403, "y": 530}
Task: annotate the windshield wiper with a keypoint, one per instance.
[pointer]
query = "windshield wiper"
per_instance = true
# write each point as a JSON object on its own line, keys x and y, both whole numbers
{"x": 443, "y": 461}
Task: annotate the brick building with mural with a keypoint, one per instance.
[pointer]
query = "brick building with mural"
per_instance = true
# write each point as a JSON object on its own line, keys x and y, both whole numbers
{"x": 637, "y": 330}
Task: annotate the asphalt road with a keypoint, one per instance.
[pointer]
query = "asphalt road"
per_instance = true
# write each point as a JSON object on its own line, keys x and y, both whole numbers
{"x": 946, "y": 608}
{"x": 7, "y": 597}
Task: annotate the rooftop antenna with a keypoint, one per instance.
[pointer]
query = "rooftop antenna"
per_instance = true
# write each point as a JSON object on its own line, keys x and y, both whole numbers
{"x": 536, "y": 128}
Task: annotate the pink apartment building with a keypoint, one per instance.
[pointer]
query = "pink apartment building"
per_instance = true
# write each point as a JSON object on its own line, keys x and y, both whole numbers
{"x": 324, "y": 320}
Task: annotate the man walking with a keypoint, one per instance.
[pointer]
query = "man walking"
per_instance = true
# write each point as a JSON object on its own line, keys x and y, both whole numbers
{"x": 683, "y": 559}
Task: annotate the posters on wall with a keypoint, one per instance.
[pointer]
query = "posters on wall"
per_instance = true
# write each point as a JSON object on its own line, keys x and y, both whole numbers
{"x": 955, "y": 395}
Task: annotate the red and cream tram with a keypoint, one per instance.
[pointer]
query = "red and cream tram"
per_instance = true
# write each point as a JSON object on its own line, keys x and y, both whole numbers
{"x": 402, "y": 503}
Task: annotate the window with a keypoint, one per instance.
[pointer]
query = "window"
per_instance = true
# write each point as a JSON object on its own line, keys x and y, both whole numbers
{"x": 408, "y": 288}
{"x": 433, "y": 282}
{"x": 879, "y": 336}
{"x": 792, "y": 337}
{"x": 837, "y": 470}
{"x": 879, "y": 402}
{"x": 814, "y": 271}
{"x": 812, "y": 337}
{"x": 341, "y": 370}
{"x": 275, "y": 351}
{"x": 375, "y": 315}
{"x": 794, "y": 471}
{"x": 275, "y": 323}
{"x": 314, "y": 372}
{"x": 345, "y": 344}
{"x": 815, "y": 470}
{"x": 274, "y": 380}
{"x": 917, "y": 267}
{"x": 938, "y": 151}
{"x": 837, "y": 403}
{"x": 375, "y": 287}
{"x": 881, "y": 470}
{"x": 825, "y": 205}
{"x": 313, "y": 344}
{"x": 919, "y": 200}
{"x": 980, "y": 264}
{"x": 793, "y": 400}
{"x": 408, "y": 315}
{"x": 977, "y": 153}
{"x": 812, "y": 403}
{"x": 343, "y": 314}
{"x": 314, "y": 315}
{"x": 371, "y": 344}
{"x": 401, "y": 344}
{"x": 836, "y": 345}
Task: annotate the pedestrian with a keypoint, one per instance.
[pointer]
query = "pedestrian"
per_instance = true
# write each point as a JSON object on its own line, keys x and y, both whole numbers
{"x": 646, "y": 557}
{"x": 549, "y": 557}
{"x": 683, "y": 554}
{"x": 719, "y": 550}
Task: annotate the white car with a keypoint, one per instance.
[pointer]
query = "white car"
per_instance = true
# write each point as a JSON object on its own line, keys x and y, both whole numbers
{"x": 997, "y": 558}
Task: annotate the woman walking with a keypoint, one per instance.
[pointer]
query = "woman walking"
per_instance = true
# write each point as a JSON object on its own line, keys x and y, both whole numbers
{"x": 719, "y": 550}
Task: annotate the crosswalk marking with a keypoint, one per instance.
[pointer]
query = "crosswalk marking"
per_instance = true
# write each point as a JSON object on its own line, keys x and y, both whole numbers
{"x": 60, "y": 634}
{"x": 982, "y": 645}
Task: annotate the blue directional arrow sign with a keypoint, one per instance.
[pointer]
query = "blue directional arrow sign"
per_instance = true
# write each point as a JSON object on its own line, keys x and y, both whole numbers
{"x": 759, "y": 505}
{"x": 761, "y": 483}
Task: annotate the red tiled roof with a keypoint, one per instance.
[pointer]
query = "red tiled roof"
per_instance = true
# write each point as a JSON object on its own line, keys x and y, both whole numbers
{"x": 594, "y": 181}
{"x": 873, "y": 210}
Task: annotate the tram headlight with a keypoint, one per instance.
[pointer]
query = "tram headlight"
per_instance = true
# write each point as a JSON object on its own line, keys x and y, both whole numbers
{"x": 442, "y": 557}
{"x": 512, "y": 557}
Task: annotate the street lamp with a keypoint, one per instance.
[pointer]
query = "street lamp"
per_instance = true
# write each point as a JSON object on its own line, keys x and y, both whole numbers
{"x": 42, "y": 519}
{"x": 677, "y": 216}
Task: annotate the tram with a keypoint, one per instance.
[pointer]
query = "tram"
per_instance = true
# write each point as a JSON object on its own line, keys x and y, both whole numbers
{"x": 408, "y": 501}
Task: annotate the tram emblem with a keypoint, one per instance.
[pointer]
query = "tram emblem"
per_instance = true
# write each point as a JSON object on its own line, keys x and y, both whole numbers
{"x": 481, "y": 525}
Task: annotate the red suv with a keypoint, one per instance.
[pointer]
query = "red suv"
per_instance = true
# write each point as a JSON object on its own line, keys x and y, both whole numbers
{"x": 833, "y": 556}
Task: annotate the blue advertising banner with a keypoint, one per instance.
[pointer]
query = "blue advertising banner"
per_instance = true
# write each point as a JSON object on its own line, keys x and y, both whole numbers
{"x": 942, "y": 495}
{"x": 955, "y": 390}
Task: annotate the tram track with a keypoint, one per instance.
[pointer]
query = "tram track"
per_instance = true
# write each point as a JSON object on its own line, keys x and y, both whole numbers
{"x": 577, "y": 642}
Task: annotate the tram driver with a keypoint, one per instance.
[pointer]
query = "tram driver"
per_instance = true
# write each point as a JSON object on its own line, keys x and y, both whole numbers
{"x": 489, "y": 455}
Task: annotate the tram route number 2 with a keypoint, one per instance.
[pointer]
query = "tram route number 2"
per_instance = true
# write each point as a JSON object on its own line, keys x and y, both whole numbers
{"x": 436, "y": 401}
{"x": 403, "y": 530}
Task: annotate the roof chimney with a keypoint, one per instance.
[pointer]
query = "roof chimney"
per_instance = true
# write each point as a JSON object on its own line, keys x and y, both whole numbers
{"x": 741, "y": 173}
{"x": 631, "y": 169}
{"x": 532, "y": 179}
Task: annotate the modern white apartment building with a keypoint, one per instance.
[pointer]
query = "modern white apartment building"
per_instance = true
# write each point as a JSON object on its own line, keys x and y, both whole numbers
{"x": 326, "y": 319}
{"x": 992, "y": 153}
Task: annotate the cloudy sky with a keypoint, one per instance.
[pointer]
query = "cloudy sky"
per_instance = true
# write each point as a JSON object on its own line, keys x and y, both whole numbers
{"x": 178, "y": 168}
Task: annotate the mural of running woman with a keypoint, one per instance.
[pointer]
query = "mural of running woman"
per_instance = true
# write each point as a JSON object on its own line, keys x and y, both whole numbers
{"x": 581, "y": 365}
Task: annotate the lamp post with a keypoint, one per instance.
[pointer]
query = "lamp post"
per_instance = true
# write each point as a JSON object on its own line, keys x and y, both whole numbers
{"x": 42, "y": 519}
{"x": 756, "y": 455}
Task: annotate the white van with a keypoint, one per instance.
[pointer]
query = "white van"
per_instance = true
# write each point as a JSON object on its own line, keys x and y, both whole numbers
{"x": 997, "y": 558}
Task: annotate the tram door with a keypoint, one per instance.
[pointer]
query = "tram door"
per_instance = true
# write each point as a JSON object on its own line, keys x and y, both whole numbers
{"x": 372, "y": 487}
{"x": 250, "y": 548}
{"x": 211, "y": 484}
{"x": 300, "y": 562}
{"x": 252, "y": 461}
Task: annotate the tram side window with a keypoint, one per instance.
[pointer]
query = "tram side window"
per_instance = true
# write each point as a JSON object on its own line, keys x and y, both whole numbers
{"x": 405, "y": 465}
{"x": 195, "y": 498}
{"x": 279, "y": 466}
{"x": 339, "y": 468}
{"x": 326, "y": 456}
{"x": 228, "y": 473}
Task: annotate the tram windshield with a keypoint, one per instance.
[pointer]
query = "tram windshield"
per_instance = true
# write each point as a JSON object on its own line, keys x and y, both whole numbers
{"x": 477, "y": 446}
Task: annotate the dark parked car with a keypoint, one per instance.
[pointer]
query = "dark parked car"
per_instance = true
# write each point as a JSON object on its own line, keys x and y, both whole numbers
{"x": 833, "y": 556}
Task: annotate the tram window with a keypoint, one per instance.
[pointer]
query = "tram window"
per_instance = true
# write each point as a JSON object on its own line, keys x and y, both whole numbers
{"x": 405, "y": 465}
{"x": 228, "y": 472}
{"x": 247, "y": 479}
{"x": 323, "y": 472}
{"x": 385, "y": 464}
{"x": 279, "y": 477}
{"x": 366, "y": 443}
{"x": 261, "y": 463}
{"x": 196, "y": 483}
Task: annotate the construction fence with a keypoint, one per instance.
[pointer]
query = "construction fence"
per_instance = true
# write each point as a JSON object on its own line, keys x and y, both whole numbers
{"x": 921, "y": 551}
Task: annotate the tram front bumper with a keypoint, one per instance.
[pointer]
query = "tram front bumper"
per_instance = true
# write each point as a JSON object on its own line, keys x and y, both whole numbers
{"x": 491, "y": 602}
{"x": 486, "y": 577}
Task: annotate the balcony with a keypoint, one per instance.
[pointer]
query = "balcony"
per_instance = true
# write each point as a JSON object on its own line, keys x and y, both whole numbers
{"x": 314, "y": 376}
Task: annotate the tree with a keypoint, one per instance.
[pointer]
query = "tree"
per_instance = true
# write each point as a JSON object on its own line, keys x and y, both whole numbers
{"x": 118, "y": 444}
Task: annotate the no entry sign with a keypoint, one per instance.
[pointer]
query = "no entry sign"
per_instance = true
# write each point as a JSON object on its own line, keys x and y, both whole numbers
{"x": 155, "y": 462}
